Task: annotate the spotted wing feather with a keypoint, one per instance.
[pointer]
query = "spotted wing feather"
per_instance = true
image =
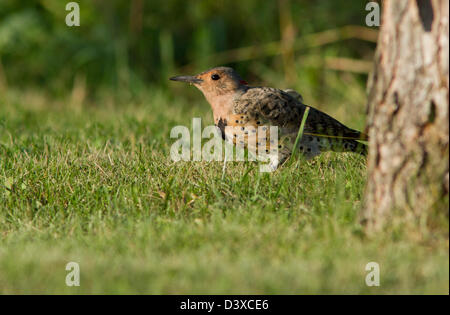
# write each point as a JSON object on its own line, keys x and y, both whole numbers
{"x": 285, "y": 111}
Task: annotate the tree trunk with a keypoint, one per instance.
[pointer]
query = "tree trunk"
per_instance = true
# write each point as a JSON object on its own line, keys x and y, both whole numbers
{"x": 408, "y": 112}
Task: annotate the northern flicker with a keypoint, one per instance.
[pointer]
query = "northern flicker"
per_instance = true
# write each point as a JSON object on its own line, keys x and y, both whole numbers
{"x": 235, "y": 103}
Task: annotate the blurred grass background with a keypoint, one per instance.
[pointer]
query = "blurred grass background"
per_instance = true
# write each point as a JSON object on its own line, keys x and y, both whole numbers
{"x": 129, "y": 46}
{"x": 85, "y": 172}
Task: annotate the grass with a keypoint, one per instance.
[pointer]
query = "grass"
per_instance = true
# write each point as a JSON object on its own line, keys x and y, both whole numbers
{"x": 95, "y": 185}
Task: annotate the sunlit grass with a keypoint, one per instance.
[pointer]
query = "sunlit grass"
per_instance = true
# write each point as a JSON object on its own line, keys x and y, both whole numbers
{"x": 95, "y": 184}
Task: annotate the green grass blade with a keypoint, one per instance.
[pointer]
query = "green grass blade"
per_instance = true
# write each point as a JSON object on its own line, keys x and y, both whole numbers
{"x": 300, "y": 132}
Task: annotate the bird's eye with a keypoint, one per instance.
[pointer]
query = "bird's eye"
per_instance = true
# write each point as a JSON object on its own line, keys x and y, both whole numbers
{"x": 215, "y": 76}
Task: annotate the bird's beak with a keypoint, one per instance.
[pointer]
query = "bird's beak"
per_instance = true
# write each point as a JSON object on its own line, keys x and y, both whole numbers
{"x": 187, "y": 78}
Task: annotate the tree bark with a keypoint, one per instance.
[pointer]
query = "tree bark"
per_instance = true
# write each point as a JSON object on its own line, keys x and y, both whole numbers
{"x": 408, "y": 112}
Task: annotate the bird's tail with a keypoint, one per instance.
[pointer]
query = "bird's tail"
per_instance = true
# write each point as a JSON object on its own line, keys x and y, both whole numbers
{"x": 355, "y": 146}
{"x": 349, "y": 145}
{"x": 361, "y": 148}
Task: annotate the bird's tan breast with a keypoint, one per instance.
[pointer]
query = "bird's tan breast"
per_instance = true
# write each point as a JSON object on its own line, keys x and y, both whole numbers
{"x": 248, "y": 132}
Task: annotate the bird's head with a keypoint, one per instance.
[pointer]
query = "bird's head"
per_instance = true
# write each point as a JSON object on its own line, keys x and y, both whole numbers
{"x": 215, "y": 82}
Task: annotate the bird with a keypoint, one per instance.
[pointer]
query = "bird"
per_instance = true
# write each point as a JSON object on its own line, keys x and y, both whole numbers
{"x": 245, "y": 108}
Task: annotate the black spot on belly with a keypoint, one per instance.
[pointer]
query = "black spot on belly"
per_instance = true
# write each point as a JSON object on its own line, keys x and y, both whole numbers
{"x": 222, "y": 124}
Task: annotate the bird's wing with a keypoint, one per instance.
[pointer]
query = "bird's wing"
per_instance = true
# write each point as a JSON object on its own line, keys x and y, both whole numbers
{"x": 281, "y": 109}
{"x": 294, "y": 94}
